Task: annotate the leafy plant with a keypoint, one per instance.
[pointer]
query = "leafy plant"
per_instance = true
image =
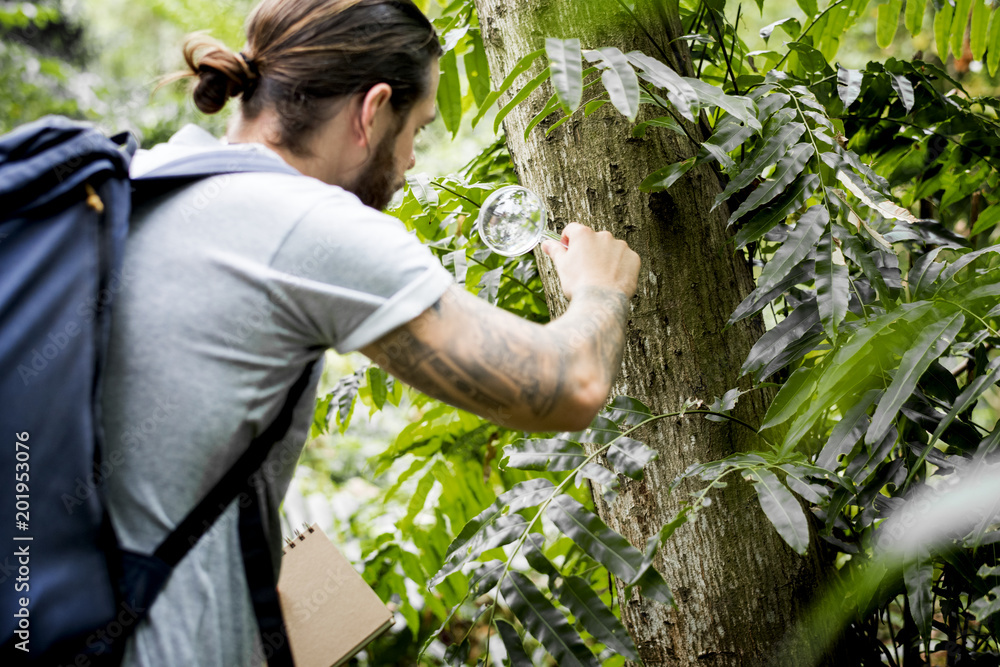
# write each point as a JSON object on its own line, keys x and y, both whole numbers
{"x": 867, "y": 197}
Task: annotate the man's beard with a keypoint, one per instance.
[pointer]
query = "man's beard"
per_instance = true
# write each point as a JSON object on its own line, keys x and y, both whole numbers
{"x": 377, "y": 182}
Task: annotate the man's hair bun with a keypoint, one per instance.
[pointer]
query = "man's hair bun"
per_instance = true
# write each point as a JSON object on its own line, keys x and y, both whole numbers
{"x": 221, "y": 73}
{"x": 301, "y": 55}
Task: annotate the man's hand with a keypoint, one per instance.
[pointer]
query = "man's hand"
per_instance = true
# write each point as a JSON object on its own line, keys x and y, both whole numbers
{"x": 593, "y": 259}
{"x": 514, "y": 372}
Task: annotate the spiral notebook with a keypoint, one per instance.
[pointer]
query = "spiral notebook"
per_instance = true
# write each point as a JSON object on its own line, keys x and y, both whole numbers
{"x": 330, "y": 612}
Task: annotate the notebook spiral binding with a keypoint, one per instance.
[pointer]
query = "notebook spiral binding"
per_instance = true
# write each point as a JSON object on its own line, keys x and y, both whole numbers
{"x": 300, "y": 535}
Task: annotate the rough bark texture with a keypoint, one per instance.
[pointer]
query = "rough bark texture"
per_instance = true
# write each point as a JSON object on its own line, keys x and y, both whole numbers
{"x": 738, "y": 586}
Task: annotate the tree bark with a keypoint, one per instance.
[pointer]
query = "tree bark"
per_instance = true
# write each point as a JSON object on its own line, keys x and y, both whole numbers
{"x": 739, "y": 587}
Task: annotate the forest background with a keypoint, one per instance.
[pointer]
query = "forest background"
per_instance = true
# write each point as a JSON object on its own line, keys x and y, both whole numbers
{"x": 394, "y": 477}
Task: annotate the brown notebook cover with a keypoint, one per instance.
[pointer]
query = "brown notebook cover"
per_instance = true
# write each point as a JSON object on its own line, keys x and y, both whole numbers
{"x": 330, "y": 612}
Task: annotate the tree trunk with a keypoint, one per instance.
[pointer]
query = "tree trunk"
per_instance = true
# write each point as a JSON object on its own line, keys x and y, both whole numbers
{"x": 739, "y": 587}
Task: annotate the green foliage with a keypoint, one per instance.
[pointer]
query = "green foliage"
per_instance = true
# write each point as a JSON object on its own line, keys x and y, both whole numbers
{"x": 40, "y": 50}
{"x": 868, "y": 197}
{"x": 501, "y": 524}
{"x": 619, "y": 79}
{"x": 565, "y": 63}
{"x": 951, "y": 23}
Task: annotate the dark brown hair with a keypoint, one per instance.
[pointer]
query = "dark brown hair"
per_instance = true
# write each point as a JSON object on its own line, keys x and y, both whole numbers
{"x": 302, "y": 54}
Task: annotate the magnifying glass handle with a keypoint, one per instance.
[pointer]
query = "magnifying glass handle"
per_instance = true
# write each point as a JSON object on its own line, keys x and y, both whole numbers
{"x": 555, "y": 237}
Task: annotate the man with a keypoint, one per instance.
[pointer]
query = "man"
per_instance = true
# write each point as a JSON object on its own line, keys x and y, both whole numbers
{"x": 234, "y": 284}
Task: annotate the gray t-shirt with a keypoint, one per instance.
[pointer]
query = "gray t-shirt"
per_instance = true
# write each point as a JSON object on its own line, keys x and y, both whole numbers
{"x": 230, "y": 286}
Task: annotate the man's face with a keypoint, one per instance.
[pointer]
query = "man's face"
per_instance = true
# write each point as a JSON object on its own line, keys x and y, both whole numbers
{"x": 384, "y": 172}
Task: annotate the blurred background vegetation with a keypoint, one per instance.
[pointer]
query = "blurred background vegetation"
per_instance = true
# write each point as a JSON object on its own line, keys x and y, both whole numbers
{"x": 100, "y": 60}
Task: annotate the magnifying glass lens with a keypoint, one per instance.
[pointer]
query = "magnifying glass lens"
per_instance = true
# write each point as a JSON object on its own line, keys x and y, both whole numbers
{"x": 511, "y": 220}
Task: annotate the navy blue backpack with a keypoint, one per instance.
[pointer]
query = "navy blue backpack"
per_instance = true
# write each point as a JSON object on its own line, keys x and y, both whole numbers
{"x": 69, "y": 595}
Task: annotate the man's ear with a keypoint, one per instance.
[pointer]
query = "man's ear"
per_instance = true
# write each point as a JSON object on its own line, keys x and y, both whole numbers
{"x": 374, "y": 105}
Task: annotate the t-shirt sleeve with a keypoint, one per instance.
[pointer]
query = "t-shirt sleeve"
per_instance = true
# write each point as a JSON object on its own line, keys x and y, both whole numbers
{"x": 353, "y": 274}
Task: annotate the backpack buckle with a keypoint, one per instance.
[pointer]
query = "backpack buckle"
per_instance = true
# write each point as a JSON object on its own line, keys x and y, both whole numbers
{"x": 93, "y": 200}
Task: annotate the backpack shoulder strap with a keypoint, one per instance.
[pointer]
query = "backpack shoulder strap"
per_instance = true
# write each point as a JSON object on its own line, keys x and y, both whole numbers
{"x": 221, "y": 161}
{"x": 186, "y": 170}
{"x": 200, "y": 519}
{"x": 145, "y": 575}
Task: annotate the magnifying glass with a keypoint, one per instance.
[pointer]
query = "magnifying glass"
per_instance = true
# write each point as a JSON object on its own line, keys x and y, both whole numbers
{"x": 512, "y": 221}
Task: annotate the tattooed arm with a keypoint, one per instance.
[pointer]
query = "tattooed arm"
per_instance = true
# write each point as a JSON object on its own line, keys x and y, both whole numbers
{"x": 514, "y": 372}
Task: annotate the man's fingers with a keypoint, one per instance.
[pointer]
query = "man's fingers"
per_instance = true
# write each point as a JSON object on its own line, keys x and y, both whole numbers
{"x": 574, "y": 229}
{"x": 553, "y": 249}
